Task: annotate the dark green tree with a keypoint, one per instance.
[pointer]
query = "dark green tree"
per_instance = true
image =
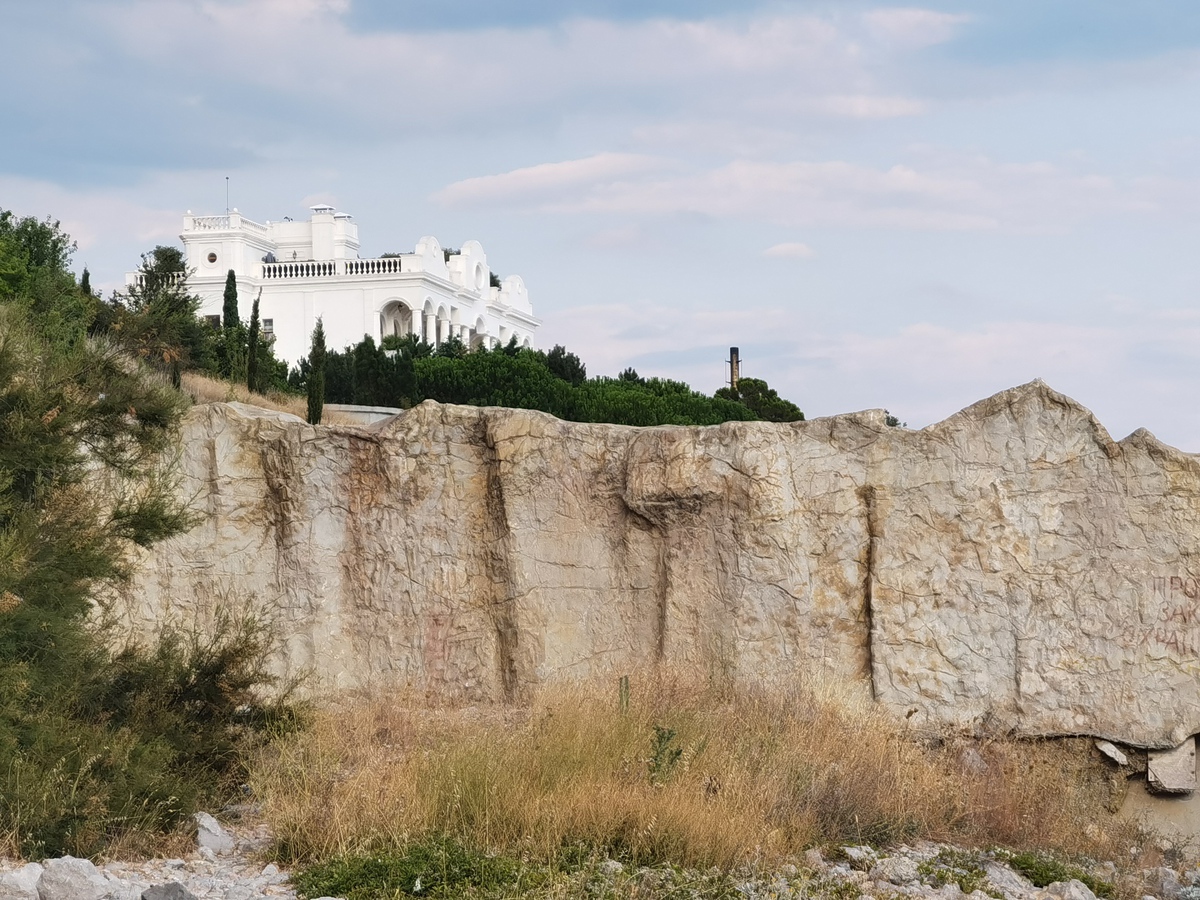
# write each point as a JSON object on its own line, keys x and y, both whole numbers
{"x": 452, "y": 347}
{"x": 41, "y": 243}
{"x": 762, "y": 400}
{"x": 408, "y": 344}
{"x": 404, "y": 371}
{"x": 85, "y": 283}
{"x": 12, "y": 268}
{"x": 252, "y": 380}
{"x": 160, "y": 324}
{"x": 229, "y": 308}
{"x": 566, "y": 365}
{"x": 316, "y": 375}
{"x": 34, "y": 256}
{"x": 368, "y": 362}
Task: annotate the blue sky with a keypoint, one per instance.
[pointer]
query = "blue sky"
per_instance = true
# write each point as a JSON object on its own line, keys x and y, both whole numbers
{"x": 910, "y": 206}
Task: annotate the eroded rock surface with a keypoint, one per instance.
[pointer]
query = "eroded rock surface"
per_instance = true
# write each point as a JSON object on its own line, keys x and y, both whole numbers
{"x": 1012, "y": 565}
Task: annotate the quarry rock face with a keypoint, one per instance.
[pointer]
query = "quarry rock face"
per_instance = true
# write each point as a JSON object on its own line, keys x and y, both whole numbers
{"x": 1010, "y": 567}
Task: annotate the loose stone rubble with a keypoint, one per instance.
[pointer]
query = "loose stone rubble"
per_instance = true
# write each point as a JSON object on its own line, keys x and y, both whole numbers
{"x": 923, "y": 871}
{"x": 237, "y": 872}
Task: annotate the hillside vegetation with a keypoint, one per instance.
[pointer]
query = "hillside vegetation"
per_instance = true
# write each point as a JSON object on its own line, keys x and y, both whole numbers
{"x": 100, "y": 745}
{"x": 405, "y": 371}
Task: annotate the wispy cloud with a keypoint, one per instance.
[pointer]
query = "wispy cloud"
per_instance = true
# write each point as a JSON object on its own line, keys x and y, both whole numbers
{"x": 913, "y": 27}
{"x": 956, "y": 194}
{"x": 548, "y": 182}
{"x": 790, "y": 250}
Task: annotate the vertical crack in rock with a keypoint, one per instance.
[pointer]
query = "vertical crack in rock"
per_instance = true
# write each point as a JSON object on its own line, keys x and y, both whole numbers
{"x": 662, "y": 590}
{"x": 661, "y": 576}
{"x": 366, "y": 576}
{"x": 640, "y": 567}
{"x": 283, "y": 510}
{"x": 1018, "y": 665}
{"x": 500, "y": 609}
{"x": 279, "y": 473}
{"x": 868, "y": 495}
{"x": 213, "y": 477}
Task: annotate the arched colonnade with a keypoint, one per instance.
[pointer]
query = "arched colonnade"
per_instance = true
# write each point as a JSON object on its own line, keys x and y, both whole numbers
{"x": 436, "y": 323}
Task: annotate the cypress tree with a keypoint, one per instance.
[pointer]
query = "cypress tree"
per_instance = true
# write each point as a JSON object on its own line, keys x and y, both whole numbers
{"x": 229, "y": 311}
{"x": 316, "y": 375}
{"x": 252, "y": 352}
{"x": 85, "y": 283}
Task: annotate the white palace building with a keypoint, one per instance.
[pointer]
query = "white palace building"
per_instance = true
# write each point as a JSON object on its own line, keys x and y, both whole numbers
{"x": 310, "y": 270}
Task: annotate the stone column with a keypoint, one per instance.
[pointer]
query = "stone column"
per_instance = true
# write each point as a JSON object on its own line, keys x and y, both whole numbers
{"x": 428, "y": 322}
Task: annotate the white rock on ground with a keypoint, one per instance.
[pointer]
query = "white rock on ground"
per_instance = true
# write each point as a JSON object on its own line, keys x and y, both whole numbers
{"x": 21, "y": 884}
{"x": 1065, "y": 890}
{"x": 172, "y": 891}
{"x": 70, "y": 878}
{"x": 1011, "y": 884}
{"x": 896, "y": 870}
{"x": 210, "y": 835}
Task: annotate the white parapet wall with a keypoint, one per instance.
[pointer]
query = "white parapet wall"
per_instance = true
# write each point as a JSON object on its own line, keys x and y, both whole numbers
{"x": 360, "y": 415}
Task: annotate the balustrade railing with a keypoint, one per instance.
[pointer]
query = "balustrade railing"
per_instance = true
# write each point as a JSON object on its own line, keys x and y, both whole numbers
{"x": 172, "y": 278}
{"x": 385, "y": 265}
{"x": 310, "y": 269}
{"x": 390, "y": 265}
{"x": 223, "y": 223}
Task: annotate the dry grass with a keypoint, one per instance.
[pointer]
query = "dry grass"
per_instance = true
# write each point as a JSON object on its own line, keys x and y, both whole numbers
{"x": 203, "y": 389}
{"x": 746, "y": 776}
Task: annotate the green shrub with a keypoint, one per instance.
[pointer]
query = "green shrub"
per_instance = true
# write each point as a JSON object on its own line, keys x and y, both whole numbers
{"x": 147, "y": 737}
{"x": 436, "y": 867}
{"x": 664, "y": 756}
{"x": 1043, "y": 869}
{"x": 961, "y": 867}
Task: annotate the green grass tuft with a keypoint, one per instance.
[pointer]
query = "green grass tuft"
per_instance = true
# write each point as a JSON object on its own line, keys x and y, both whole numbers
{"x": 437, "y": 867}
{"x": 1043, "y": 869}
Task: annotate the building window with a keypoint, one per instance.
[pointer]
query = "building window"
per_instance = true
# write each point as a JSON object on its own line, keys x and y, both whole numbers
{"x": 212, "y": 257}
{"x": 268, "y": 326}
{"x": 213, "y": 321}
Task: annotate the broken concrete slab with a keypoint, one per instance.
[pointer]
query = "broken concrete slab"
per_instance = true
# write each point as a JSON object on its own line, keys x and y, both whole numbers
{"x": 1173, "y": 771}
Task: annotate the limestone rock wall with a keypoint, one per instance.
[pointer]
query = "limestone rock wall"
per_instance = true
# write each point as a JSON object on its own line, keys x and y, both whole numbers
{"x": 1011, "y": 565}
